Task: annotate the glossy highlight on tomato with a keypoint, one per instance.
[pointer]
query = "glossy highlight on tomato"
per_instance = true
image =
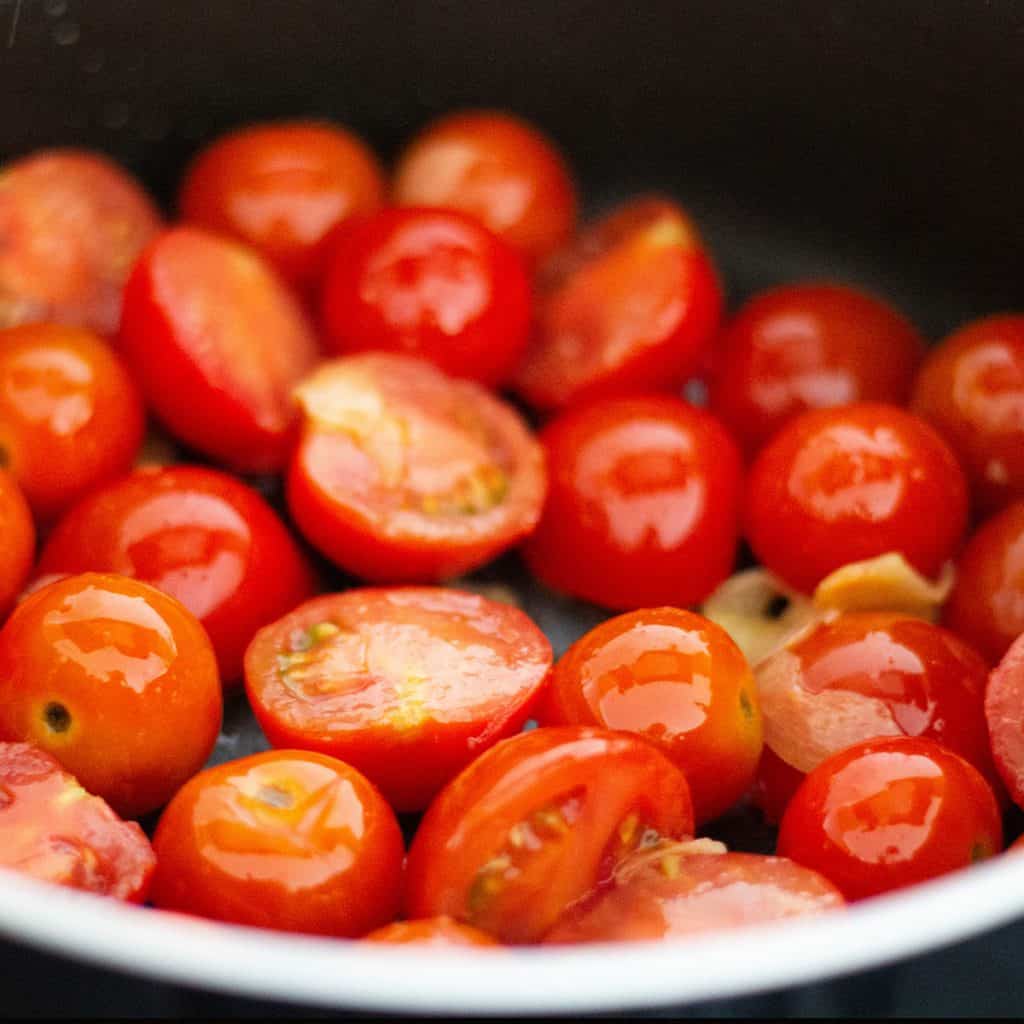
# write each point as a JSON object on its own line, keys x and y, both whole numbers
{"x": 18, "y": 550}
{"x": 431, "y": 933}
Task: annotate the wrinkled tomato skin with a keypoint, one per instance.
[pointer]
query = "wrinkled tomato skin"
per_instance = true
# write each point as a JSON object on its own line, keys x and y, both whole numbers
{"x": 432, "y": 932}
{"x": 410, "y": 686}
{"x": 835, "y": 486}
{"x": 677, "y": 680}
{"x": 284, "y": 839}
{"x": 18, "y": 551}
{"x": 535, "y": 823}
{"x": 54, "y": 831}
{"x": 643, "y": 504}
{"x": 197, "y": 534}
{"x": 889, "y": 813}
{"x": 1004, "y": 712}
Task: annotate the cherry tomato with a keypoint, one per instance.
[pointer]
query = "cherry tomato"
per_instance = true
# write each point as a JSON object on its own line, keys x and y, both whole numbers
{"x": 196, "y": 534}
{"x": 432, "y": 283}
{"x": 71, "y": 225}
{"x": 630, "y": 306}
{"x": 643, "y": 505}
{"x": 55, "y": 831}
{"x": 537, "y": 822}
{"x": 835, "y": 486}
{"x": 809, "y": 346}
{"x": 679, "y": 681}
{"x": 407, "y": 684}
{"x": 70, "y": 416}
{"x": 1004, "y": 712}
{"x": 282, "y": 839}
{"x": 889, "y": 813}
{"x": 405, "y": 474}
{"x": 19, "y": 546}
{"x": 774, "y": 785}
{"x": 440, "y": 932}
{"x": 496, "y": 167}
{"x": 116, "y": 680}
{"x": 216, "y": 343}
{"x": 971, "y": 388}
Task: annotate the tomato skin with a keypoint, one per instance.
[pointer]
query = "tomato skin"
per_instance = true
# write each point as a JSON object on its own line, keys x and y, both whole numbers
{"x": 677, "y": 680}
{"x": 889, "y": 813}
{"x": 1004, "y": 712}
{"x": 54, "y": 831}
{"x": 18, "y": 550}
{"x": 284, "y": 839}
{"x": 835, "y": 486}
{"x": 216, "y": 343}
{"x": 643, "y": 504}
{"x": 433, "y": 283}
{"x": 774, "y": 785}
{"x": 432, "y": 932}
{"x": 410, "y": 686}
{"x": 496, "y": 167}
{"x": 197, "y": 534}
{"x": 283, "y": 188}
{"x": 71, "y": 225}
{"x": 566, "y": 803}
{"x": 116, "y": 680}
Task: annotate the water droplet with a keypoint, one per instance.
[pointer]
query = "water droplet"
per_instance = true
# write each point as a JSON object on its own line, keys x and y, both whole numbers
{"x": 66, "y": 33}
{"x": 56, "y": 8}
{"x": 93, "y": 62}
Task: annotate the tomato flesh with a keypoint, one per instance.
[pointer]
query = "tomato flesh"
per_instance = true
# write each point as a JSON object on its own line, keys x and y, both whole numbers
{"x": 433, "y": 932}
{"x": 1004, "y": 712}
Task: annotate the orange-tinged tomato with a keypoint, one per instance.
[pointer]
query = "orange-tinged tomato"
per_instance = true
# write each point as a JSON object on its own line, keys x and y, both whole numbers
{"x": 19, "y": 546}
{"x": 431, "y": 932}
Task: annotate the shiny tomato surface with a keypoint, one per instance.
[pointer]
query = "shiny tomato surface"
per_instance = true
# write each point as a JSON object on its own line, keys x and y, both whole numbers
{"x": 1004, "y": 712}
{"x": 19, "y": 547}
{"x": 643, "y": 504}
{"x": 437, "y": 932}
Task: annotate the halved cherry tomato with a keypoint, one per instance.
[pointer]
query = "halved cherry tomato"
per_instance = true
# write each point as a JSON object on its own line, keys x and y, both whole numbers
{"x": 116, "y": 680}
{"x": 679, "y": 681}
{"x": 630, "y": 306}
{"x": 283, "y": 839}
{"x": 70, "y": 416}
{"x": 643, "y": 505}
{"x": 196, "y": 534}
{"x": 1004, "y": 712}
{"x": 55, "y": 831}
{"x": 71, "y": 225}
{"x": 809, "y": 346}
{"x": 406, "y": 684}
{"x": 537, "y": 822}
{"x": 19, "y": 542}
{"x": 440, "y": 932}
{"x": 405, "y": 474}
{"x": 889, "y": 813}
{"x": 835, "y": 486}
{"x": 217, "y": 343}
{"x": 432, "y": 283}
{"x": 496, "y": 167}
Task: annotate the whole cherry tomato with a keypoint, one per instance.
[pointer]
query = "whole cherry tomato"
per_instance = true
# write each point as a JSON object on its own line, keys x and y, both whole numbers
{"x": 538, "y": 821}
{"x": 116, "y": 680}
{"x": 217, "y": 342}
{"x": 889, "y": 813}
{"x": 440, "y": 932}
{"x": 679, "y": 681}
{"x": 406, "y": 684}
{"x": 55, "y": 831}
{"x": 643, "y": 504}
{"x": 809, "y": 346}
{"x": 19, "y": 546}
{"x": 405, "y": 474}
{"x": 496, "y": 167}
{"x": 70, "y": 416}
{"x": 630, "y": 306}
{"x": 432, "y": 283}
{"x": 71, "y": 225}
{"x": 774, "y": 785}
{"x": 1004, "y": 712}
{"x": 197, "y": 534}
{"x": 283, "y": 839}
{"x": 835, "y": 486}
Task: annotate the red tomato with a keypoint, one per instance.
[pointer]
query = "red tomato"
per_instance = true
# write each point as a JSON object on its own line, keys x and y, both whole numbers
{"x": 283, "y": 839}
{"x": 674, "y": 891}
{"x": 496, "y": 167}
{"x": 810, "y": 346}
{"x": 679, "y": 681}
{"x": 774, "y": 785}
{"x": 440, "y": 932}
{"x": 432, "y": 283}
{"x": 55, "y": 831}
{"x": 889, "y": 813}
{"x": 407, "y": 684}
{"x": 71, "y": 225}
{"x": 630, "y": 306}
{"x": 643, "y": 505}
{"x": 196, "y": 534}
{"x": 70, "y": 416}
{"x": 18, "y": 549}
{"x": 217, "y": 343}
{"x": 116, "y": 680}
{"x": 405, "y": 474}
{"x": 971, "y": 388}
{"x": 835, "y": 486}
{"x": 537, "y": 822}
{"x": 1004, "y": 712}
